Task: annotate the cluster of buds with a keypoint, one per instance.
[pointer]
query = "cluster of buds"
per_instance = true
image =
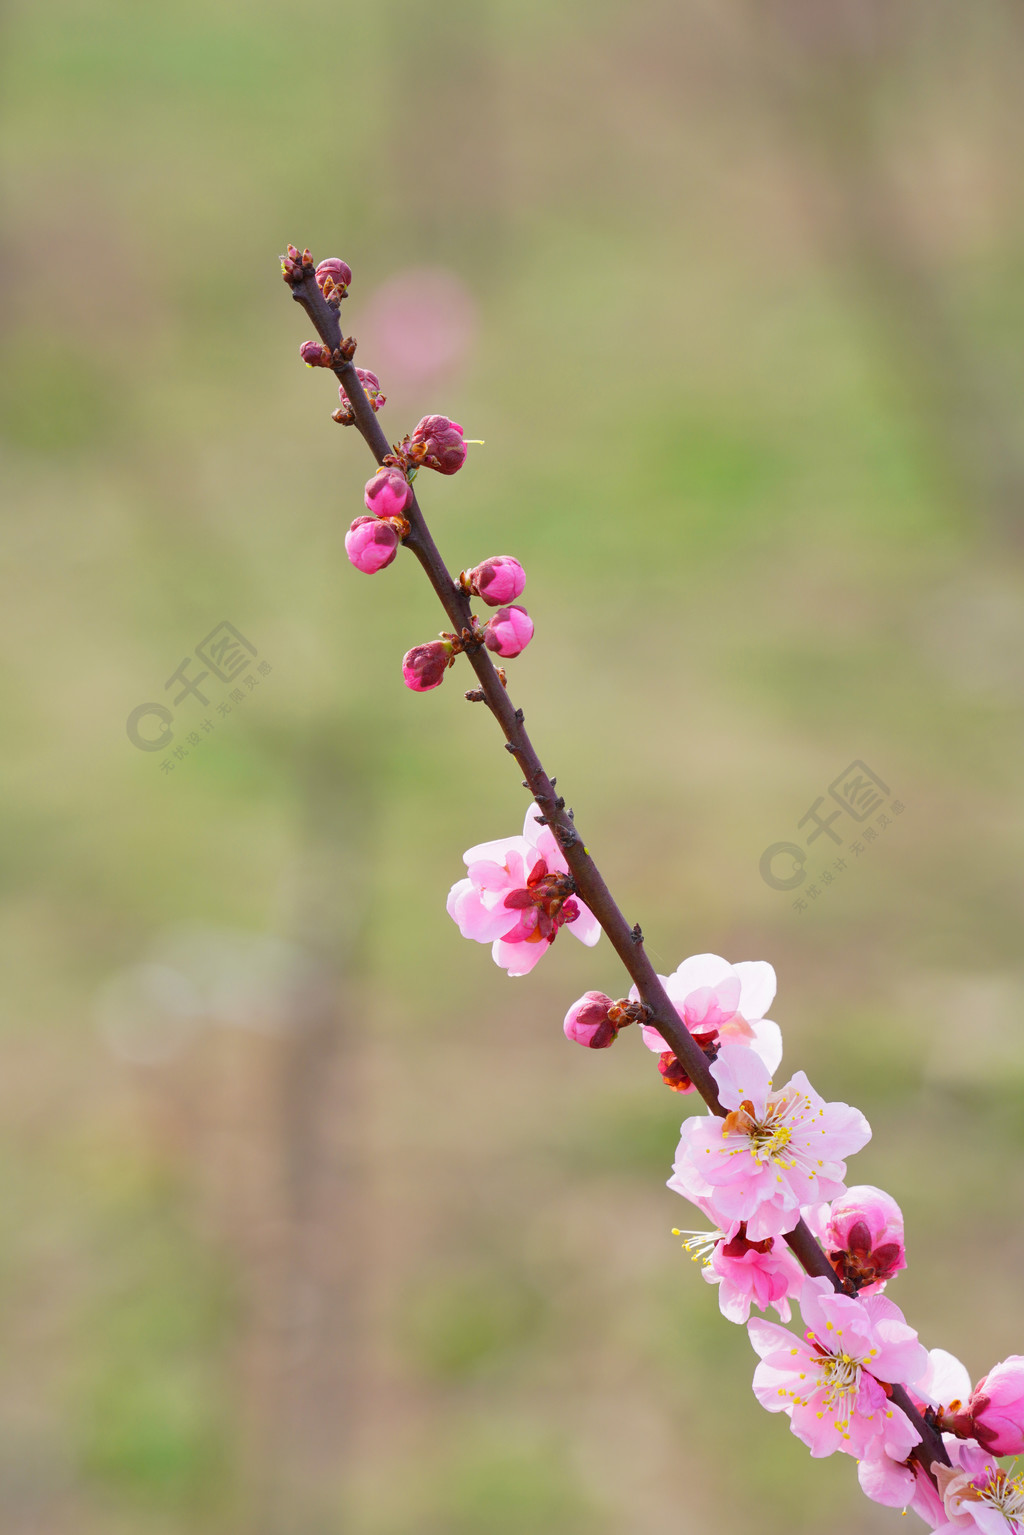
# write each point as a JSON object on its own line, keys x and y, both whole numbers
{"x": 507, "y": 634}
{"x": 595, "y": 1020}
{"x": 345, "y": 415}
{"x": 437, "y": 443}
{"x": 296, "y": 266}
{"x": 333, "y": 278}
{"x": 371, "y": 543}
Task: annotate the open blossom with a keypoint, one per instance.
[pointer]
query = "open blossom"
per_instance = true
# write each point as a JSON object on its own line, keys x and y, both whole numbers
{"x": 773, "y": 1152}
{"x": 749, "y": 1273}
{"x": 864, "y": 1238}
{"x": 979, "y": 1494}
{"x": 897, "y": 1484}
{"x": 518, "y": 893}
{"x": 828, "y": 1380}
{"x": 718, "y": 1001}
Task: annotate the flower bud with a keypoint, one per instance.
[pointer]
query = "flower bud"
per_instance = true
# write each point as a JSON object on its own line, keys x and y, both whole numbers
{"x": 294, "y": 265}
{"x": 315, "y": 354}
{"x": 509, "y": 631}
{"x": 864, "y": 1237}
{"x": 438, "y": 443}
{"x": 371, "y": 544}
{"x": 424, "y": 666}
{"x": 497, "y": 580}
{"x": 587, "y": 1022}
{"x": 996, "y": 1408}
{"x": 371, "y": 388}
{"x": 388, "y": 494}
{"x": 333, "y": 277}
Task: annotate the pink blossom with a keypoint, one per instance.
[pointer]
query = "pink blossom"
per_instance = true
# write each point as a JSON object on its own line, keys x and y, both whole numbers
{"x": 978, "y": 1494}
{"x": 716, "y": 1001}
{"x": 772, "y": 1153}
{"x": 496, "y": 581}
{"x": 760, "y": 1273}
{"x": 518, "y": 894}
{"x": 424, "y": 666}
{"x": 864, "y": 1237}
{"x": 509, "y": 631}
{"x": 996, "y": 1408}
{"x": 371, "y": 544}
{"x": 388, "y": 493}
{"x": 438, "y": 443}
{"x": 828, "y": 1380}
{"x": 899, "y": 1485}
{"x": 587, "y": 1022}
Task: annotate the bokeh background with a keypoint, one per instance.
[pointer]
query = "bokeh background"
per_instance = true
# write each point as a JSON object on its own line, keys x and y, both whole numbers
{"x": 311, "y": 1220}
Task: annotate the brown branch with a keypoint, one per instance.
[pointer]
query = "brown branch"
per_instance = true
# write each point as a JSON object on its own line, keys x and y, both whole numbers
{"x": 627, "y": 941}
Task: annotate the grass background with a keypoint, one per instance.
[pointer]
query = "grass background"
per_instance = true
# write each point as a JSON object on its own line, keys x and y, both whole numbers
{"x": 312, "y": 1222}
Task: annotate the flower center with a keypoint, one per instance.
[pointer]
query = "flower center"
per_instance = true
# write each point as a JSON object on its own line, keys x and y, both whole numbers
{"x": 1006, "y": 1493}
{"x": 546, "y": 903}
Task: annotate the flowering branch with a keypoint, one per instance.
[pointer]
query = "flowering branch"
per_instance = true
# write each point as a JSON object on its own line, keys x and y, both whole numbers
{"x": 756, "y": 1166}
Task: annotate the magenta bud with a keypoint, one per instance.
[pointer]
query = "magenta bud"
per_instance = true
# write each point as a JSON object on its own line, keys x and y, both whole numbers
{"x": 996, "y": 1408}
{"x": 587, "y": 1022}
{"x": 371, "y": 388}
{"x": 424, "y": 666}
{"x": 509, "y": 631}
{"x": 438, "y": 443}
{"x": 315, "y": 354}
{"x": 388, "y": 494}
{"x": 333, "y": 273}
{"x": 864, "y": 1237}
{"x": 497, "y": 580}
{"x": 371, "y": 544}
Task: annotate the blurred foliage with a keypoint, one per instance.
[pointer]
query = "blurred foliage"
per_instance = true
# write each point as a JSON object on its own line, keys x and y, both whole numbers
{"x": 311, "y": 1220}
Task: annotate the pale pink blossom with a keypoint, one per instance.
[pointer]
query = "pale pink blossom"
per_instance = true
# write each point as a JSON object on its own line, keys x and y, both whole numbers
{"x": 509, "y": 632}
{"x": 898, "y": 1484}
{"x": 753, "y": 1273}
{"x": 827, "y": 1381}
{"x": 371, "y": 544}
{"x": 719, "y": 1001}
{"x": 979, "y": 1494}
{"x": 518, "y": 893}
{"x": 945, "y": 1385}
{"x": 772, "y": 1153}
{"x": 864, "y": 1237}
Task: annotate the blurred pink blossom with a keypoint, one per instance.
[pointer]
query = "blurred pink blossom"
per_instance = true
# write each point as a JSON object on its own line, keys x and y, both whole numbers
{"x": 421, "y": 324}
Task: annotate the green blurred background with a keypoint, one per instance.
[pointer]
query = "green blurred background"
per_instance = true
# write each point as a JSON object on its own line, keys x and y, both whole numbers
{"x": 311, "y": 1219}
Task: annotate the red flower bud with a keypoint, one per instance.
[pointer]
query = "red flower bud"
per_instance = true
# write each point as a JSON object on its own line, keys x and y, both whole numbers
{"x": 371, "y": 544}
{"x": 587, "y": 1022}
{"x": 497, "y": 580}
{"x": 424, "y": 666}
{"x": 371, "y": 388}
{"x": 333, "y": 277}
{"x": 509, "y": 631}
{"x": 315, "y": 354}
{"x": 388, "y": 494}
{"x": 438, "y": 443}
